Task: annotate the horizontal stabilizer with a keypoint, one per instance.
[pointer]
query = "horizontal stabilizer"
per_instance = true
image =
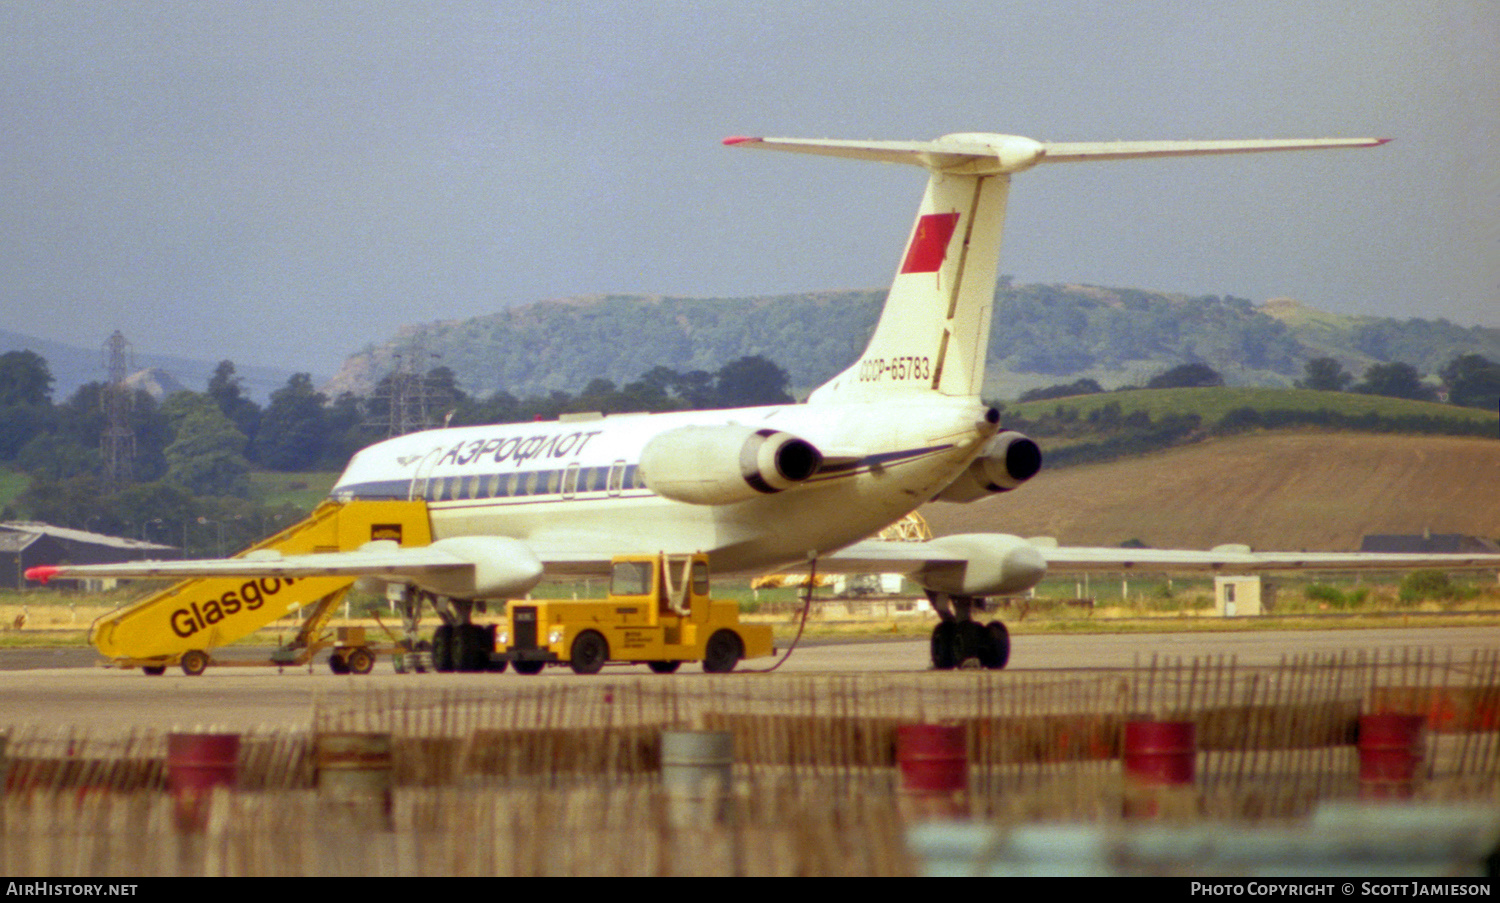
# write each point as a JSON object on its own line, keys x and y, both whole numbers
{"x": 1063, "y": 152}
{"x": 979, "y": 153}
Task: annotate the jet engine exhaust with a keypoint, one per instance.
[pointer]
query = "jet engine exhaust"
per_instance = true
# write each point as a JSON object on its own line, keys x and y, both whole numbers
{"x": 719, "y": 465}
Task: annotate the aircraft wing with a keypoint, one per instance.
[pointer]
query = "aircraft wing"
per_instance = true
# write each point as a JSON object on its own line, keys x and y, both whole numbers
{"x": 468, "y": 566}
{"x": 998, "y": 564}
{"x": 423, "y": 560}
{"x": 1078, "y": 560}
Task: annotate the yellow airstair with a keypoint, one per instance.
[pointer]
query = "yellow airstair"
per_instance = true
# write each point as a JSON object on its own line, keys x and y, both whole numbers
{"x": 183, "y": 623}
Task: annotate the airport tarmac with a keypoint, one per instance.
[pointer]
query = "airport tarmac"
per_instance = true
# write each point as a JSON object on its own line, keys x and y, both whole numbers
{"x": 61, "y": 687}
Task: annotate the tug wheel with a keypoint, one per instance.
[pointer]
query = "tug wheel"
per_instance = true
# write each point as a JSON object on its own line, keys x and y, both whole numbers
{"x": 722, "y": 653}
{"x": 590, "y": 652}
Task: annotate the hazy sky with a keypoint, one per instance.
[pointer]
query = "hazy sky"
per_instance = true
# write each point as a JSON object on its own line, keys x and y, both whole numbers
{"x": 281, "y": 183}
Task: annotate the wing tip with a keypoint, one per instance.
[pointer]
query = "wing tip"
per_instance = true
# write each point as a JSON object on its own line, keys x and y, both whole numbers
{"x": 732, "y": 140}
{"x": 42, "y": 573}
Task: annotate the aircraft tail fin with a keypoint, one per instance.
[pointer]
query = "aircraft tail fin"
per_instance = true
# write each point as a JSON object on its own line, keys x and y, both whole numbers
{"x": 935, "y": 327}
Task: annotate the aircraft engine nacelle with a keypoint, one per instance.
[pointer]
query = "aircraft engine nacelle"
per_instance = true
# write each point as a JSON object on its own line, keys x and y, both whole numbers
{"x": 981, "y": 564}
{"x": 1009, "y": 460}
{"x": 717, "y": 465}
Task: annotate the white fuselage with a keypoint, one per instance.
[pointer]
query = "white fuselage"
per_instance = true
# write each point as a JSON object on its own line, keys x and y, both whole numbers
{"x": 574, "y": 485}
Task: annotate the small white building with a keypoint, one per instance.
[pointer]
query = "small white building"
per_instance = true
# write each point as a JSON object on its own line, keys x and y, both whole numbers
{"x": 1235, "y": 596}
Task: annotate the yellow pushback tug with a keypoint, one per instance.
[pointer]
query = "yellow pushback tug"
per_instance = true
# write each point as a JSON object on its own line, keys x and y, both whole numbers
{"x": 658, "y": 612}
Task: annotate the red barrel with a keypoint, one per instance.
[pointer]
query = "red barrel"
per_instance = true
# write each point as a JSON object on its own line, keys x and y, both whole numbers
{"x": 196, "y": 764}
{"x": 934, "y": 758}
{"x": 1160, "y": 753}
{"x": 934, "y": 763}
{"x": 1390, "y": 754}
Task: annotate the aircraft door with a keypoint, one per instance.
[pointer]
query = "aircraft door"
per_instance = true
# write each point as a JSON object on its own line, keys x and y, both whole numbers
{"x": 423, "y": 474}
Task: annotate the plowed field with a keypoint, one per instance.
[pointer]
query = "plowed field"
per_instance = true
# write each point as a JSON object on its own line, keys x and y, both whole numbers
{"x": 1293, "y": 491}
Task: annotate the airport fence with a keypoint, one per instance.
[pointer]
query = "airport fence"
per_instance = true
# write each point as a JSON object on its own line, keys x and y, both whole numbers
{"x": 498, "y": 780}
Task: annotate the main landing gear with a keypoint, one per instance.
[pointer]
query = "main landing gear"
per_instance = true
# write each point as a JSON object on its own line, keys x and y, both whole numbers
{"x": 959, "y": 641}
{"x": 459, "y": 644}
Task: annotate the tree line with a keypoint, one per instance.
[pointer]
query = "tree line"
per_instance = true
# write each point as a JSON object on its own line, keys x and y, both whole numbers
{"x": 193, "y": 452}
{"x": 1468, "y": 380}
{"x": 1106, "y": 432}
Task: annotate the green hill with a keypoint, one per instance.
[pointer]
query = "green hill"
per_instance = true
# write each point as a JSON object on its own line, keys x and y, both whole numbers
{"x": 1213, "y": 404}
{"x": 1042, "y": 335}
{"x": 1112, "y": 425}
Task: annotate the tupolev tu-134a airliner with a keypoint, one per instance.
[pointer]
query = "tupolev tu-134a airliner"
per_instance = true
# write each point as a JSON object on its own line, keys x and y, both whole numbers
{"x": 782, "y": 486}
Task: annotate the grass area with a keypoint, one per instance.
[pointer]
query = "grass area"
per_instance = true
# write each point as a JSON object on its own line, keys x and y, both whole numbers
{"x": 302, "y": 490}
{"x": 12, "y": 484}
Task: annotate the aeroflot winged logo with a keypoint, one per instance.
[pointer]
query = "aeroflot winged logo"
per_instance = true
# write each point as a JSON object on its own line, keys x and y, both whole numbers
{"x": 929, "y": 245}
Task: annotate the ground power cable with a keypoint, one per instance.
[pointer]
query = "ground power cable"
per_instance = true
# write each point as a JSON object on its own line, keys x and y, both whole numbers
{"x": 812, "y": 579}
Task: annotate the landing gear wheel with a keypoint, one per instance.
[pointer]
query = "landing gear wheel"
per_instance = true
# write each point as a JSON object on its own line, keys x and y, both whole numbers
{"x": 945, "y": 646}
{"x": 722, "y": 652}
{"x": 442, "y": 648}
{"x": 995, "y": 652}
{"x": 419, "y": 660}
{"x": 498, "y": 667}
{"x": 194, "y": 662}
{"x": 969, "y": 647}
{"x": 530, "y": 667}
{"x": 664, "y": 667}
{"x": 359, "y": 661}
{"x": 469, "y": 652}
{"x": 154, "y": 670}
{"x": 337, "y": 665}
{"x": 590, "y": 652}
